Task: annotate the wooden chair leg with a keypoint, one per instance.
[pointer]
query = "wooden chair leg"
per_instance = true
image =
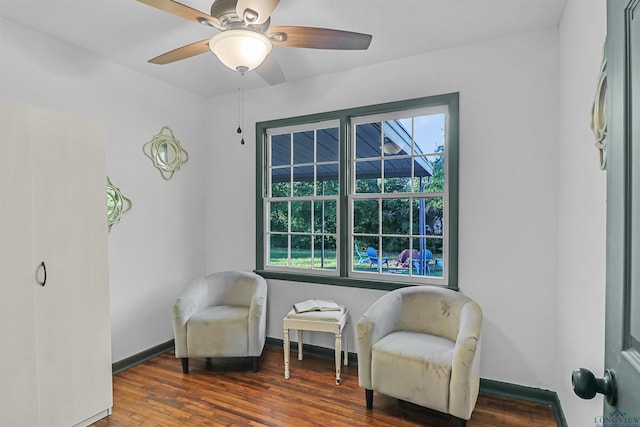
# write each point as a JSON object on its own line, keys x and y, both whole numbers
{"x": 368, "y": 395}
{"x": 185, "y": 365}
{"x": 256, "y": 363}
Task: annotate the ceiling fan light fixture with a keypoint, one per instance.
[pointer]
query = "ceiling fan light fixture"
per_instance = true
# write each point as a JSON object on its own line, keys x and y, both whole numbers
{"x": 241, "y": 50}
{"x": 390, "y": 147}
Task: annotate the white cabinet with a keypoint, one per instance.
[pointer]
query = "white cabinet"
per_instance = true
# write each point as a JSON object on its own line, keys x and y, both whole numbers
{"x": 55, "y": 343}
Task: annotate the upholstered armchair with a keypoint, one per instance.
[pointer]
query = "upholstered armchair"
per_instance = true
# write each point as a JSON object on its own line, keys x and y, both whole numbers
{"x": 421, "y": 344}
{"x": 221, "y": 315}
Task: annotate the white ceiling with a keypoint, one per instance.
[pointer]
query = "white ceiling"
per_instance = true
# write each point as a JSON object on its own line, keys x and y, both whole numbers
{"x": 129, "y": 33}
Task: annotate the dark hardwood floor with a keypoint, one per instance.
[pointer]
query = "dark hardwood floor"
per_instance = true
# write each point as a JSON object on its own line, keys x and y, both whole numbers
{"x": 228, "y": 393}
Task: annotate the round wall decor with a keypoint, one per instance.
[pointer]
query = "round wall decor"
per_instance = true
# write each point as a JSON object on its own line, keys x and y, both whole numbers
{"x": 166, "y": 153}
{"x": 116, "y": 202}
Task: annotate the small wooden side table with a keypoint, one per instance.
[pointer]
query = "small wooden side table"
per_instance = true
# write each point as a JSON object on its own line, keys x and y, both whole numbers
{"x": 318, "y": 321}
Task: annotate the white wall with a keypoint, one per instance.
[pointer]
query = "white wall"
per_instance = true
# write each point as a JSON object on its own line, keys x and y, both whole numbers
{"x": 582, "y": 213}
{"x": 159, "y": 245}
{"x": 508, "y": 186}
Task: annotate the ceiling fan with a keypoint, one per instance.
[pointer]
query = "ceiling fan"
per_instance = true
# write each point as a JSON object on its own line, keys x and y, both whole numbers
{"x": 245, "y": 40}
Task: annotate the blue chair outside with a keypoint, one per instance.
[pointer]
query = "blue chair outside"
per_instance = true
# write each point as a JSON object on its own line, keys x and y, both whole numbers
{"x": 373, "y": 257}
{"x": 422, "y": 260}
{"x": 363, "y": 256}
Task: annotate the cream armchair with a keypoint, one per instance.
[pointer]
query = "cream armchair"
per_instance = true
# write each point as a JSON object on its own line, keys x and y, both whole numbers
{"x": 221, "y": 315}
{"x": 421, "y": 344}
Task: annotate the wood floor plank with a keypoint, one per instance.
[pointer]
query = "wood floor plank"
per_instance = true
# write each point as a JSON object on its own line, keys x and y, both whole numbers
{"x": 227, "y": 393}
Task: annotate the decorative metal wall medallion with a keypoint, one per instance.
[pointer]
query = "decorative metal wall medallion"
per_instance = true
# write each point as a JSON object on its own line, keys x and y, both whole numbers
{"x": 166, "y": 153}
{"x": 598, "y": 117}
{"x": 116, "y": 204}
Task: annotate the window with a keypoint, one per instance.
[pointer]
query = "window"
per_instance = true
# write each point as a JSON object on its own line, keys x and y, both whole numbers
{"x": 302, "y": 197}
{"x": 398, "y": 197}
{"x": 363, "y": 197}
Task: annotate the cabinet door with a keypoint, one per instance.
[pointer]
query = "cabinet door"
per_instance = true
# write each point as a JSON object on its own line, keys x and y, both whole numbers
{"x": 18, "y": 376}
{"x": 72, "y": 310}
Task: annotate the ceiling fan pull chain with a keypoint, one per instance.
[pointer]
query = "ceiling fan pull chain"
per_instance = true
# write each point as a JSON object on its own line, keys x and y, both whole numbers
{"x": 240, "y": 114}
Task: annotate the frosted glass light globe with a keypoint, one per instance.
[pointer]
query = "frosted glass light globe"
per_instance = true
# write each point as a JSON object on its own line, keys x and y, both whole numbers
{"x": 240, "y": 50}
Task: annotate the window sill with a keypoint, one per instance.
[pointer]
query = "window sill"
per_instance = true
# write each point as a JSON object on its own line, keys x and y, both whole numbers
{"x": 334, "y": 280}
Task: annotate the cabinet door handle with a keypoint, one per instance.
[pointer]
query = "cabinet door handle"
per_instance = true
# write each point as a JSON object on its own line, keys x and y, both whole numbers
{"x": 44, "y": 269}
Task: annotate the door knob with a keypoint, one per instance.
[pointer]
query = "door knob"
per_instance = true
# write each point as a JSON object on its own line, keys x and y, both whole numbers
{"x": 586, "y": 385}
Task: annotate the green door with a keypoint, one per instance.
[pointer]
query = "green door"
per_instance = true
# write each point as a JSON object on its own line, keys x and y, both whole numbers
{"x": 622, "y": 342}
{"x": 621, "y": 380}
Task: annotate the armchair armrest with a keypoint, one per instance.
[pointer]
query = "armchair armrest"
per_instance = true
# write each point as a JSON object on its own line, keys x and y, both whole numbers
{"x": 257, "y": 318}
{"x": 192, "y": 299}
{"x": 465, "y": 378}
{"x": 377, "y": 322}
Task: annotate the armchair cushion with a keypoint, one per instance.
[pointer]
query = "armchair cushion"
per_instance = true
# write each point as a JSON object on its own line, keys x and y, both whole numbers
{"x": 400, "y": 355}
{"x": 218, "y": 331}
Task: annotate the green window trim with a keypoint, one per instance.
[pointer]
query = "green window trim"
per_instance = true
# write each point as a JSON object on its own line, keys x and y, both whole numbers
{"x": 451, "y": 100}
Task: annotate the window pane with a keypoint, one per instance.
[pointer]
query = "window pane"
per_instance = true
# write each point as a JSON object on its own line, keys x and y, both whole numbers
{"x": 301, "y": 217}
{"x": 301, "y": 251}
{"x": 406, "y": 123}
{"x": 303, "y": 147}
{"x": 327, "y": 149}
{"x": 281, "y": 149}
{"x": 303, "y": 181}
{"x": 397, "y": 175}
{"x": 397, "y": 137}
{"x": 368, "y": 140}
{"x": 429, "y": 260}
{"x": 429, "y": 172}
{"x": 429, "y": 134}
{"x": 361, "y": 259}
{"x": 392, "y": 248}
{"x": 368, "y": 175}
{"x": 325, "y": 216}
{"x": 324, "y": 255}
{"x": 397, "y": 185}
{"x": 279, "y": 216}
{"x": 328, "y": 180}
{"x": 376, "y": 260}
{"x": 278, "y": 249}
{"x": 403, "y": 261}
{"x": 365, "y": 216}
{"x": 281, "y": 182}
{"x": 427, "y": 216}
{"x": 395, "y": 216}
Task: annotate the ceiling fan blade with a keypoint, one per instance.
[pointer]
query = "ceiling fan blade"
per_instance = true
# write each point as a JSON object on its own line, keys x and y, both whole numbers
{"x": 270, "y": 70}
{"x": 183, "y": 11}
{"x": 255, "y": 11}
{"x": 318, "y": 38}
{"x": 183, "y": 52}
